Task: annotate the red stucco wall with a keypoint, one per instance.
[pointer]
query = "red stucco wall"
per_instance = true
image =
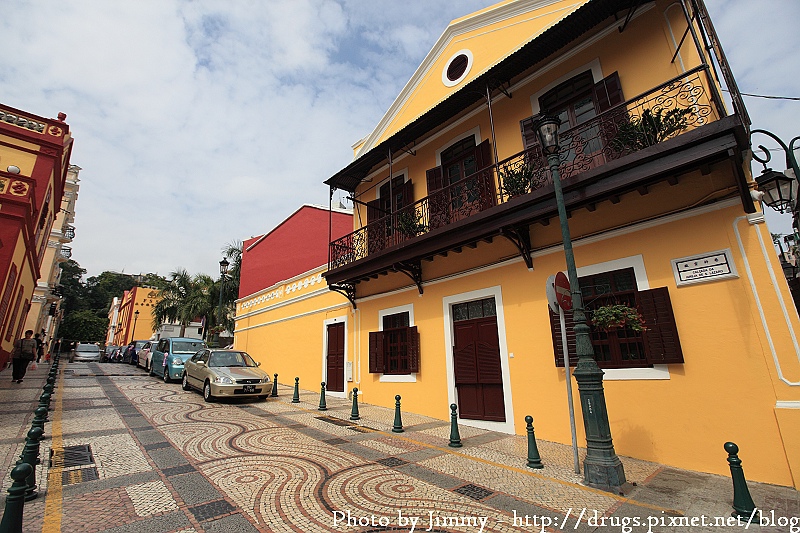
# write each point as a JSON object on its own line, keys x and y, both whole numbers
{"x": 296, "y": 245}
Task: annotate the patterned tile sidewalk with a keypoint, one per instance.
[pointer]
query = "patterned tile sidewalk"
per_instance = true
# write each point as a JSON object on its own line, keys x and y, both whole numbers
{"x": 162, "y": 460}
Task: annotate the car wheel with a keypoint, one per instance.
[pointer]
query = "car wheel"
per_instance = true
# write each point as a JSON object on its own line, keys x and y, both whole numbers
{"x": 185, "y": 382}
{"x": 166, "y": 375}
{"x": 207, "y": 392}
{"x": 150, "y": 372}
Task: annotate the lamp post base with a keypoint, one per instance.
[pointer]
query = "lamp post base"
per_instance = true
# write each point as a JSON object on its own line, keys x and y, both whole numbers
{"x": 607, "y": 477}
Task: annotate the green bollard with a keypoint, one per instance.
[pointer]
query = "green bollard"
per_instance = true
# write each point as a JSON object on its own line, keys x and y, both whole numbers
{"x": 398, "y": 419}
{"x": 455, "y": 438}
{"x": 534, "y": 460}
{"x": 30, "y": 455}
{"x": 39, "y": 418}
{"x": 354, "y": 412}
{"x": 323, "y": 406}
{"x": 275, "y": 387}
{"x": 296, "y": 395}
{"x": 743, "y": 504}
{"x": 15, "y": 502}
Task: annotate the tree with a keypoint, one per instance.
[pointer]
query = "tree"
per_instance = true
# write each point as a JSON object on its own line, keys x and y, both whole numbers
{"x": 84, "y": 326}
{"x": 101, "y": 290}
{"x": 72, "y": 286}
{"x": 230, "y": 292}
{"x": 184, "y": 299}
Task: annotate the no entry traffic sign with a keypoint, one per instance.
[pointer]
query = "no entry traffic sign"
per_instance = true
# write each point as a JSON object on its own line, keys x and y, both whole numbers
{"x": 563, "y": 294}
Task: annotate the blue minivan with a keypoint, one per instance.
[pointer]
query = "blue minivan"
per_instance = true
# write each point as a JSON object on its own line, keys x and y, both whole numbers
{"x": 169, "y": 355}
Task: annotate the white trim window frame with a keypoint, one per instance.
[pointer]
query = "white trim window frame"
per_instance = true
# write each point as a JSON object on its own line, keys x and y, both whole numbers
{"x": 409, "y": 308}
{"x": 452, "y": 395}
{"x": 325, "y": 323}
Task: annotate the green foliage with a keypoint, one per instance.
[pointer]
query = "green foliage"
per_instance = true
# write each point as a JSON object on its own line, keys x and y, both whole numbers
{"x": 616, "y": 316}
{"x": 186, "y": 298}
{"x": 101, "y": 289}
{"x": 83, "y": 326}
{"x": 233, "y": 252}
{"x": 517, "y": 179}
{"x": 651, "y": 128}
{"x": 410, "y": 223}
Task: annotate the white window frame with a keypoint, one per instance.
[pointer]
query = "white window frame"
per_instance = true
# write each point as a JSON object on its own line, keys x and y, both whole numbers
{"x": 409, "y": 308}
{"x": 325, "y": 323}
{"x": 452, "y": 396}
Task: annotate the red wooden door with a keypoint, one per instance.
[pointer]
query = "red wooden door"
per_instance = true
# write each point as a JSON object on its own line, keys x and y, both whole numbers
{"x": 478, "y": 375}
{"x": 335, "y": 359}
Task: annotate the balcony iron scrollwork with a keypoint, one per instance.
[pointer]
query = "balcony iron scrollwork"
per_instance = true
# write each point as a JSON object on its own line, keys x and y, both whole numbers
{"x": 69, "y": 232}
{"x": 665, "y": 112}
{"x": 65, "y": 252}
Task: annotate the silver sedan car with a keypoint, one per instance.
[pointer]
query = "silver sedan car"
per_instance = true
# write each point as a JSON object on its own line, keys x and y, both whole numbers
{"x": 225, "y": 373}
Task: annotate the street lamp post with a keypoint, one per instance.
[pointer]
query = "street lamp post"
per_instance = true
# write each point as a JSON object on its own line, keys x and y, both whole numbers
{"x": 223, "y": 271}
{"x": 601, "y": 468}
{"x": 135, "y": 318}
{"x": 780, "y": 189}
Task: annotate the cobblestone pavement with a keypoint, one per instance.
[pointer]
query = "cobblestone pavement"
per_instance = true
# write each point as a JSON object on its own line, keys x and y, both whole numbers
{"x": 144, "y": 456}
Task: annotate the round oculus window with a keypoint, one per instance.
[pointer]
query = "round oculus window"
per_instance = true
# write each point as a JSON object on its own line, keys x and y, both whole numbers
{"x": 457, "y": 68}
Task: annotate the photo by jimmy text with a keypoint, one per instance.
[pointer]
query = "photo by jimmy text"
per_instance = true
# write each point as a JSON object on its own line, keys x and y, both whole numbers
{"x": 427, "y": 522}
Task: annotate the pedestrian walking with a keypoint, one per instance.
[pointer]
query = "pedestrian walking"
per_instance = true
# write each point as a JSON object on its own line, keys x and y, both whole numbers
{"x": 39, "y": 347}
{"x": 23, "y": 353}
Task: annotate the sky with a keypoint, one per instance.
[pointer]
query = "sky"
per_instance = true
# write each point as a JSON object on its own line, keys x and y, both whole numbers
{"x": 198, "y": 123}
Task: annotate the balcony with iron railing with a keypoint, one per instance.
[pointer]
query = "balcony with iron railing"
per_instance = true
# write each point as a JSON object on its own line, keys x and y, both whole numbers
{"x": 65, "y": 253}
{"x": 69, "y": 232}
{"x": 617, "y": 139}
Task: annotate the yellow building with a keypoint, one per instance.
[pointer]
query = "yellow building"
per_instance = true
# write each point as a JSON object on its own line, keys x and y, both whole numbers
{"x": 34, "y": 162}
{"x": 134, "y": 315}
{"x": 456, "y": 233}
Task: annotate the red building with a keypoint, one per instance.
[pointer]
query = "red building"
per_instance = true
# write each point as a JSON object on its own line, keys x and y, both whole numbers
{"x": 34, "y": 159}
{"x": 296, "y": 245}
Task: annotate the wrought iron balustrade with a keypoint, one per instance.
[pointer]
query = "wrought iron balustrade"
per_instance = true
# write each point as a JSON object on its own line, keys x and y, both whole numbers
{"x": 665, "y": 112}
{"x": 69, "y": 232}
{"x": 65, "y": 252}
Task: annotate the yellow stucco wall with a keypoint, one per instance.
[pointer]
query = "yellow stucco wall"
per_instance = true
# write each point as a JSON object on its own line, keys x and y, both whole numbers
{"x": 283, "y": 328}
{"x": 725, "y": 390}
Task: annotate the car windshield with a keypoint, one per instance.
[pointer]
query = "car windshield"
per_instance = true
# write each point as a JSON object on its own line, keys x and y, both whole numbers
{"x": 139, "y": 344}
{"x": 87, "y": 348}
{"x": 187, "y": 347}
{"x": 230, "y": 359}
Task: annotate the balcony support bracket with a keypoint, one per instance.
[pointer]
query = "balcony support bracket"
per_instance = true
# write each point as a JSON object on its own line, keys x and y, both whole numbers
{"x": 521, "y": 238}
{"x": 346, "y": 289}
{"x": 412, "y": 269}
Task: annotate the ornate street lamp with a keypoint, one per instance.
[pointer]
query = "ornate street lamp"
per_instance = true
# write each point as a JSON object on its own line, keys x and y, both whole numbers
{"x": 601, "y": 468}
{"x": 780, "y": 190}
{"x": 135, "y": 318}
{"x": 223, "y": 271}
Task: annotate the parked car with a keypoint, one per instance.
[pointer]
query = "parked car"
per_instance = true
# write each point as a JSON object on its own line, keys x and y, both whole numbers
{"x": 129, "y": 353}
{"x": 108, "y": 353}
{"x": 85, "y": 352}
{"x": 167, "y": 359}
{"x": 143, "y": 355}
{"x": 225, "y": 373}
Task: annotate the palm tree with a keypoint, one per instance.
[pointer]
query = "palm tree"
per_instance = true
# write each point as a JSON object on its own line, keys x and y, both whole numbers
{"x": 185, "y": 298}
{"x": 233, "y": 252}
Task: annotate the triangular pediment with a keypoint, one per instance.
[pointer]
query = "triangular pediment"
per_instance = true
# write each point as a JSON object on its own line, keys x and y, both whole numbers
{"x": 480, "y": 40}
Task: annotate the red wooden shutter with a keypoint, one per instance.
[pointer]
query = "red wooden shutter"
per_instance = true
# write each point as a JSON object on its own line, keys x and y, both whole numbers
{"x": 377, "y": 362}
{"x": 661, "y": 342}
{"x": 408, "y": 194}
{"x": 13, "y": 317}
{"x": 555, "y": 330}
{"x": 434, "y": 177}
{"x": 413, "y": 349}
{"x": 374, "y": 211}
{"x": 607, "y": 93}
{"x": 6, "y": 301}
{"x": 483, "y": 155}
